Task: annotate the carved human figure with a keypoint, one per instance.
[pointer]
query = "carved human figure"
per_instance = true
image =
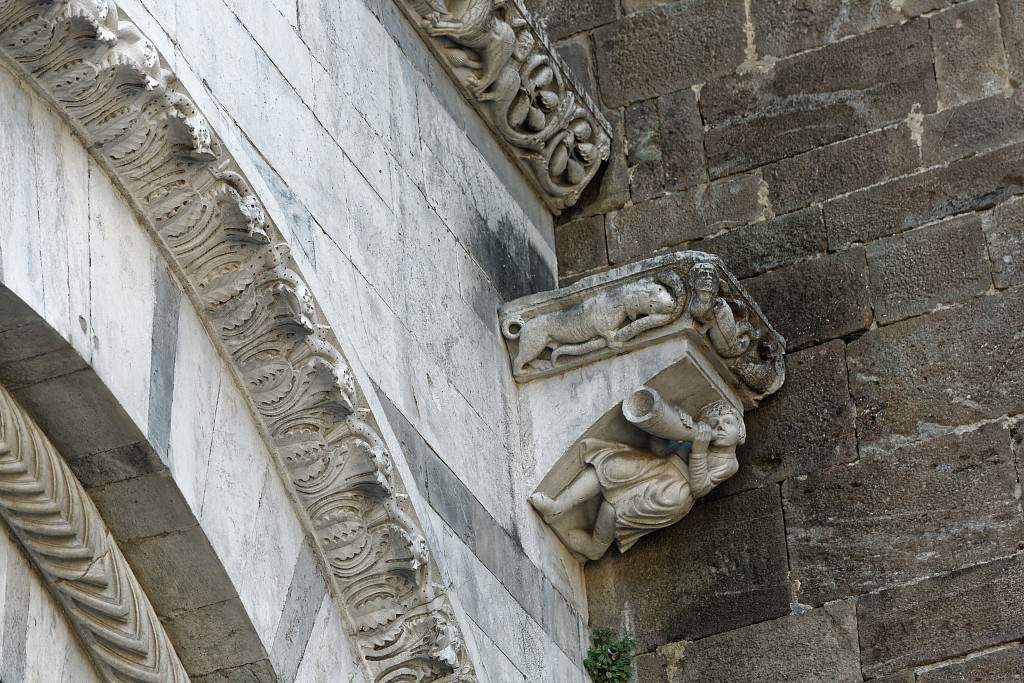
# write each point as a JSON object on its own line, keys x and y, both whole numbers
{"x": 642, "y": 490}
{"x": 607, "y": 319}
{"x": 729, "y": 337}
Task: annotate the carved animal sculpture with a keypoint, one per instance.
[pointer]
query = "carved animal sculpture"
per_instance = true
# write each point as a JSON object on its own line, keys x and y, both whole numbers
{"x": 607, "y": 319}
{"x": 480, "y": 29}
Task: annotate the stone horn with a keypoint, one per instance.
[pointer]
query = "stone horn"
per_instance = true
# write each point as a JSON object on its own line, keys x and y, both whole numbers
{"x": 648, "y": 411}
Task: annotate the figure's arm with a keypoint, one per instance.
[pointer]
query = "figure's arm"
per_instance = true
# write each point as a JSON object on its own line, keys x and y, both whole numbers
{"x": 700, "y": 477}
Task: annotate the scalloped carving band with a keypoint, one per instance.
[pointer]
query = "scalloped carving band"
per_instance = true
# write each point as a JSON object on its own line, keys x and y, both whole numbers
{"x": 108, "y": 81}
{"x": 56, "y": 521}
{"x": 521, "y": 88}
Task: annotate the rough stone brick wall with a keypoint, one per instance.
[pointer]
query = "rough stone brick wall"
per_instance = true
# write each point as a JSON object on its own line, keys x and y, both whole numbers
{"x": 859, "y": 164}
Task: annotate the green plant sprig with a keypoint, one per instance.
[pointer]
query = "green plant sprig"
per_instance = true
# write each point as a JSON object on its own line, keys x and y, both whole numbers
{"x": 610, "y": 658}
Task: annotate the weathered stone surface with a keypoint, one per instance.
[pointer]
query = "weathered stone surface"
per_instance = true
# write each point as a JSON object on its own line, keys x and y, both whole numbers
{"x": 807, "y": 425}
{"x": 914, "y": 271}
{"x": 972, "y": 128}
{"x": 1011, "y": 15}
{"x": 561, "y": 18}
{"x": 842, "y": 167}
{"x": 256, "y": 672}
{"x": 581, "y": 246}
{"x": 1005, "y": 234}
{"x": 236, "y": 646}
{"x": 892, "y": 517}
{"x": 818, "y": 98}
{"x": 650, "y": 54}
{"x": 724, "y": 566}
{"x": 1005, "y": 665}
{"x": 651, "y": 667}
{"x": 643, "y": 228}
{"x": 942, "y": 617}
{"x": 953, "y": 367}
{"x": 782, "y": 27}
{"x": 579, "y": 57}
{"x": 976, "y": 183}
{"x": 664, "y": 137}
{"x": 610, "y": 187}
{"x": 969, "y": 60}
{"x": 128, "y": 506}
{"x": 819, "y": 645}
{"x": 118, "y": 464}
{"x": 816, "y": 300}
{"x": 765, "y": 245}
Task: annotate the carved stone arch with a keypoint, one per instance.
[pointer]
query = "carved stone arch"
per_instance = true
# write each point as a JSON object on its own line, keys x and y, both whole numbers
{"x": 109, "y": 83}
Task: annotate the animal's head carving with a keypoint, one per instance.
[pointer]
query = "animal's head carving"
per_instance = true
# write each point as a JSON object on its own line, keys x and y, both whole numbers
{"x": 653, "y": 298}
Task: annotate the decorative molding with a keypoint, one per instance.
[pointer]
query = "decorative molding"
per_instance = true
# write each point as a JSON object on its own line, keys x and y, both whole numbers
{"x": 514, "y": 79}
{"x": 686, "y": 292}
{"x": 57, "y": 523}
{"x": 113, "y": 88}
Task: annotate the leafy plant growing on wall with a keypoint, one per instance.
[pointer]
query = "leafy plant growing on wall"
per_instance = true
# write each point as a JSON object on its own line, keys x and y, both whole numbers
{"x": 610, "y": 658}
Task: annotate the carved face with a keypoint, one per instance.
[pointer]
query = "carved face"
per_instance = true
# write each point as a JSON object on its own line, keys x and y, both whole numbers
{"x": 656, "y": 299}
{"x": 703, "y": 278}
{"x": 726, "y": 429}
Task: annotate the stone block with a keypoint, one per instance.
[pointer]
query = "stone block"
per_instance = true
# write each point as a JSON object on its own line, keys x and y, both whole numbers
{"x": 452, "y": 500}
{"x": 143, "y": 506}
{"x": 1005, "y": 665}
{"x": 306, "y": 593}
{"x": 257, "y": 672}
{"x": 969, "y": 59}
{"x": 561, "y": 18}
{"x": 642, "y": 229}
{"x": 651, "y": 667}
{"x": 580, "y": 246}
{"x": 782, "y": 27}
{"x": 818, "y": 645}
{"x": 180, "y": 571}
{"x": 816, "y": 300}
{"x": 609, "y": 190}
{"x": 1011, "y": 15}
{"x": 973, "y": 184}
{"x": 840, "y": 168}
{"x": 561, "y": 622}
{"x": 724, "y": 566}
{"x": 766, "y": 245}
{"x": 973, "y": 128}
{"x": 118, "y": 464}
{"x": 664, "y": 137}
{"x": 38, "y": 368}
{"x": 1005, "y": 235}
{"x": 213, "y": 637}
{"x": 817, "y": 98}
{"x": 952, "y": 367}
{"x": 807, "y": 425}
{"x": 78, "y": 414}
{"x": 893, "y": 517}
{"x": 579, "y": 57}
{"x": 914, "y": 271}
{"x": 942, "y": 617}
{"x": 654, "y": 53}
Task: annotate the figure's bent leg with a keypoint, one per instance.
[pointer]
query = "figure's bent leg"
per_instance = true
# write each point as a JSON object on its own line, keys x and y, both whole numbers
{"x": 604, "y": 527}
{"x": 584, "y": 487}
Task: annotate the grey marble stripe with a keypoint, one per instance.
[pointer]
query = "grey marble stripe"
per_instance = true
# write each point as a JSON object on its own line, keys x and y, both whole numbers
{"x": 165, "y": 349}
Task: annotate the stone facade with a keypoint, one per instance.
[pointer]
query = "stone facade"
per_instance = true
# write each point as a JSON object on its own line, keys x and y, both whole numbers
{"x": 880, "y": 233}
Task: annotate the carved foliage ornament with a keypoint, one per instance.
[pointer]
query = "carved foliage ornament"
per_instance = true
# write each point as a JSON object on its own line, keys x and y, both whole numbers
{"x": 109, "y": 82}
{"x": 613, "y": 313}
{"x": 59, "y": 526}
{"x": 521, "y": 88}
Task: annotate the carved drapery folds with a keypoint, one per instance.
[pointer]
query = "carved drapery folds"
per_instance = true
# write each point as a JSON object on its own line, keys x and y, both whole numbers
{"x": 59, "y": 526}
{"x": 640, "y": 304}
{"x": 111, "y": 85}
{"x": 524, "y": 92}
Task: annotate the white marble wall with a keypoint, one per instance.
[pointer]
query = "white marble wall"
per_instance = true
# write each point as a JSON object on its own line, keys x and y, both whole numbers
{"x": 411, "y": 226}
{"x": 37, "y": 645}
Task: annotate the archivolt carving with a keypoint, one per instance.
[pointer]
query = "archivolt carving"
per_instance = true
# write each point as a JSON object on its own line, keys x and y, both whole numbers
{"x": 109, "y": 82}
{"x": 612, "y": 313}
{"x": 514, "y": 79}
{"x": 60, "y": 527}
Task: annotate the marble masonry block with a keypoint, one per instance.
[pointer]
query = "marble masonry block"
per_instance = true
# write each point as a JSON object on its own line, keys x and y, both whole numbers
{"x": 581, "y": 246}
{"x": 970, "y": 62}
{"x": 819, "y": 299}
{"x": 561, "y": 18}
{"x": 817, "y": 98}
{"x": 917, "y": 270}
{"x": 234, "y": 644}
{"x": 941, "y": 617}
{"x": 973, "y": 184}
{"x": 665, "y": 139}
{"x": 896, "y": 516}
{"x": 807, "y": 425}
{"x": 818, "y": 645}
{"x": 724, "y": 566}
{"x": 952, "y": 367}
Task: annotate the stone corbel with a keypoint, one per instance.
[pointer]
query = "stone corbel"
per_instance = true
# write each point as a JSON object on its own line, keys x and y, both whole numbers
{"x": 635, "y": 383}
{"x": 514, "y": 79}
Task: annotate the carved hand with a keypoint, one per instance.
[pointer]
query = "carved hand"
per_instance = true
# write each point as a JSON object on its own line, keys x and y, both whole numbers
{"x": 702, "y": 437}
